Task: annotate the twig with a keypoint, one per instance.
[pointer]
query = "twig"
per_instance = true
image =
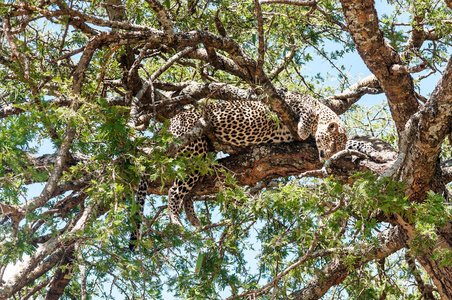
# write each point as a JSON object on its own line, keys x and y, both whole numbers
{"x": 171, "y": 61}
{"x": 14, "y": 49}
{"x": 101, "y": 77}
{"x": 275, "y": 72}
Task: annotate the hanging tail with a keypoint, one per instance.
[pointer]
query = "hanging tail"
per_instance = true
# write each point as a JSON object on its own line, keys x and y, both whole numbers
{"x": 138, "y": 215}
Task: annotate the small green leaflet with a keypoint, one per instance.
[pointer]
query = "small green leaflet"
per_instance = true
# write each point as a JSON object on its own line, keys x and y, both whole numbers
{"x": 254, "y": 38}
{"x": 199, "y": 262}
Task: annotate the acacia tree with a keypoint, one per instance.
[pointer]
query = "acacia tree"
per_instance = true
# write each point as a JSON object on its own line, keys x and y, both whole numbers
{"x": 98, "y": 79}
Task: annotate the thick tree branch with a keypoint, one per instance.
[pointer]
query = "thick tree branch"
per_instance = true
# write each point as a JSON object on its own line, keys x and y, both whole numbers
{"x": 362, "y": 22}
{"x": 415, "y": 40}
{"x": 449, "y": 3}
{"x": 340, "y": 103}
{"x": 220, "y": 62}
{"x": 424, "y": 136}
{"x": 264, "y": 162}
{"x": 62, "y": 276}
{"x": 426, "y": 290}
{"x": 9, "y": 110}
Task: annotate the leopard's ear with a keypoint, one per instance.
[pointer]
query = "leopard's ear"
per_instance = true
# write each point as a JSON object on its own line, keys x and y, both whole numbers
{"x": 333, "y": 127}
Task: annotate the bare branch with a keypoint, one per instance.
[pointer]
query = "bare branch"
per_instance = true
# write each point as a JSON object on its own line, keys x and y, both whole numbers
{"x": 340, "y": 103}
{"x": 171, "y": 61}
{"x": 62, "y": 276}
{"x": 219, "y": 25}
{"x": 265, "y": 289}
{"x": 326, "y": 170}
{"x": 407, "y": 69}
{"x": 289, "y": 56}
{"x": 220, "y": 62}
{"x": 36, "y": 289}
{"x": 426, "y": 290}
{"x": 9, "y": 110}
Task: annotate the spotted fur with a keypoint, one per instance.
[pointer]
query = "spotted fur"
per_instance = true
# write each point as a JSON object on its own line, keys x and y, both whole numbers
{"x": 244, "y": 123}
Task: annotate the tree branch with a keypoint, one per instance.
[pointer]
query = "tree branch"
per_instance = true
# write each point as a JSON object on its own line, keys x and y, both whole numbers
{"x": 62, "y": 276}
{"x": 362, "y": 21}
{"x": 170, "y": 62}
{"x": 334, "y": 272}
{"x": 425, "y": 133}
{"x": 426, "y": 290}
{"x": 261, "y": 41}
{"x": 264, "y": 162}
{"x": 278, "y": 69}
{"x": 164, "y": 18}
{"x": 265, "y": 289}
{"x": 290, "y": 2}
{"x": 49, "y": 253}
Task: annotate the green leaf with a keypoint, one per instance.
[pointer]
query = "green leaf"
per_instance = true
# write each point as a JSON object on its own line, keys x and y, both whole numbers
{"x": 199, "y": 262}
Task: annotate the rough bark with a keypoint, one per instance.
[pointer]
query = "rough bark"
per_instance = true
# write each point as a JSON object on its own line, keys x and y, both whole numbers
{"x": 62, "y": 275}
{"x": 421, "y": 132}
{"x": 380, "y": 57}
{"x": 265, "y": 162}
{"x": 45, "y": 257}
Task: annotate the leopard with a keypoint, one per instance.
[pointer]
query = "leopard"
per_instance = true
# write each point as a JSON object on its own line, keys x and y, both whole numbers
{"x": 244, "y": 123}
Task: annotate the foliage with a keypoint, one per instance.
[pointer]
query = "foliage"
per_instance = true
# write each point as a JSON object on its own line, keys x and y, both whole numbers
{"x": 248, "y": 237}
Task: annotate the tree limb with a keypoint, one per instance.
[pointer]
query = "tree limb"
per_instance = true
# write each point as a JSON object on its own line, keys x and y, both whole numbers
{"x": 261, "y": 41}
{"x": 363, "y": 25}
{"x": 334, "y": 272}
{"x": 164, "y": 18}
{"x": 49, "y": 253}
{"x": 62, "y": 276}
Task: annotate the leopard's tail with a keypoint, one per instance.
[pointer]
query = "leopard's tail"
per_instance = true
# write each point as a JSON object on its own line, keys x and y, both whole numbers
{"x": 138, "y": 215}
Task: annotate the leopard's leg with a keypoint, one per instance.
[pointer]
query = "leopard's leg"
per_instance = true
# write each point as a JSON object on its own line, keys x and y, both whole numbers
{"x": 188, "y": 203}
{"x": 181, "y": 188}
{"x": 176, "y": 196}
{"x": 137, "y": 217}
{"x": 190, "y": 212}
